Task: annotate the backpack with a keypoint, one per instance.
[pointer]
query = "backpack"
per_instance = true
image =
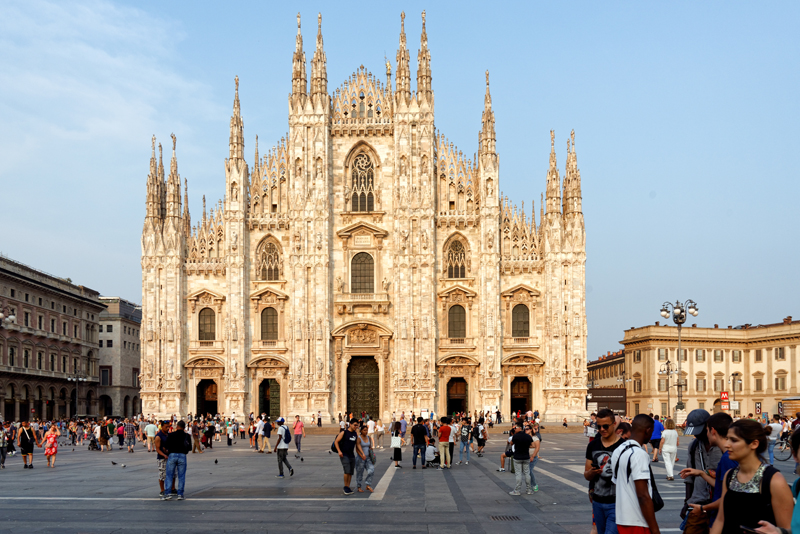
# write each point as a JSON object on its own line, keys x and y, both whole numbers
{"x": 333, "y": 444}
{"x": 658, "y": 502}
{"x": 287, "y": 437}
{"x": 464, "y": 433}
{"x": 476, "y": 432}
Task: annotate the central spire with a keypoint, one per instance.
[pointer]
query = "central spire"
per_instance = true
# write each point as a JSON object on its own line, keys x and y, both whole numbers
{"x": 487, "y": 137}
{"x": 553, "y": 181}
{"x": 236, "y": 144}
{"x": 299, "y": 82}
{"x": 319, "y": 76}
{"x": 424, "y": 91}
{"x": 403, "y": 77}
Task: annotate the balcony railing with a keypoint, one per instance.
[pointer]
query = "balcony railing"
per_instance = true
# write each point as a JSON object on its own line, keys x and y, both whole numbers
{"x": 457, "y": 342}
{"x": 269, "y": 343}
{"x": 205, "y": 345}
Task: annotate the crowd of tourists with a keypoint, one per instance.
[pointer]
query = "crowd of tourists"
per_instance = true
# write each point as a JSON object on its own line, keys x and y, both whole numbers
{"x": 732, "y": 487}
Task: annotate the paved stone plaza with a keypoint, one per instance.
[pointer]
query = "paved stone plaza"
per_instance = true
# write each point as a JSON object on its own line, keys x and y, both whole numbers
{"x": 86, "y": 493}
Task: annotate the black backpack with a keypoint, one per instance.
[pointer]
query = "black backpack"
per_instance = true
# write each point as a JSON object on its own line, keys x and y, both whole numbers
{"x": 476, "y": 432}
{"x": 333, "y": 445}
{"x": 658, "y": 502}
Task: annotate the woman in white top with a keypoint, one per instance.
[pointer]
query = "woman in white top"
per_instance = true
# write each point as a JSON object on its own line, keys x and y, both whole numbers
{"x": 379, "y": 431}
{"x": 669, "y": 446}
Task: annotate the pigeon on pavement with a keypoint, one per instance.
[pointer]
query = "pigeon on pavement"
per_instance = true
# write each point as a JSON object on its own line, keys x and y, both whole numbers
{"x": 216, "y": 461}
{"x": 113, "y": 462}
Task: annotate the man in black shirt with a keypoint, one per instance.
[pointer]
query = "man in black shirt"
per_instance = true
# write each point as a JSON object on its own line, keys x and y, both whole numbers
{"x": 521, "y": 443}
{"x": 420, "y": 442}
{"x": 347, "y": 444}
{"x": 178, "y": 444}
{"x": 602, "y": 491}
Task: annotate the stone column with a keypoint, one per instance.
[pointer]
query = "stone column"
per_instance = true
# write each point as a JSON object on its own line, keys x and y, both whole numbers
{"x": 16, "y": 408}
{"x": 55, "y": 409}
{"x": 793, "y": 370}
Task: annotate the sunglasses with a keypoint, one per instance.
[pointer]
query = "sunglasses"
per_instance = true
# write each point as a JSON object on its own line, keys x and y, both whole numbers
{"x": 605, "y": 427}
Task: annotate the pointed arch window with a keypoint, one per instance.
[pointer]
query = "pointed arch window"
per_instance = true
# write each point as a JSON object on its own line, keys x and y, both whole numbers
{"x": 456, "y": 260}
{"x": 520, "y": 321}
{"x": 456, "y": 322}
{"x": 269, "y": 324}
{"x": 363, "y": 184}
{"x": 207, "y": 325}
{"x": 363, "y": 274}
{"x": 269, "y": 263}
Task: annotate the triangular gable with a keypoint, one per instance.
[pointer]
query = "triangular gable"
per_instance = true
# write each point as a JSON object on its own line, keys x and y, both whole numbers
{"x": 458, "y": 287}
{"x": 518, "y": 287}
{"x": 361, "y": 225}
{"x": 280, "y": 295}
{"x": 197, "y": 294}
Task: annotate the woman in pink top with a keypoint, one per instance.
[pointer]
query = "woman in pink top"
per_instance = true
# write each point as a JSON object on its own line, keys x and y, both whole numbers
{"x": 299, "y": 433}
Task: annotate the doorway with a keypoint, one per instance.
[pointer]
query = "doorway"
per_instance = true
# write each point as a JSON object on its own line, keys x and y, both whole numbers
{"x": 363, "y": 386}
{"x": 269, "y": 398}
{"x": 106, "y": 407}
{"x": 521, "y": 395}
{"x": 457, "y": 396}
{"x": 207, "y": 397}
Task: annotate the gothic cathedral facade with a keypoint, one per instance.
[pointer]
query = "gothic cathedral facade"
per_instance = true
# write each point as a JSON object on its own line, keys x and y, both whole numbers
{"x": 363, "y": 264}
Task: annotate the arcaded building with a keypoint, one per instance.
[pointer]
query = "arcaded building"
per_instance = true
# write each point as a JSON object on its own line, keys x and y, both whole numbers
{"x": 364, "y": 263}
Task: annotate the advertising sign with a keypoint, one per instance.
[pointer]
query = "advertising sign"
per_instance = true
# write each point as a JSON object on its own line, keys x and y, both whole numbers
{"x": 758, "y": 408}
{"x": 725, "y": 405}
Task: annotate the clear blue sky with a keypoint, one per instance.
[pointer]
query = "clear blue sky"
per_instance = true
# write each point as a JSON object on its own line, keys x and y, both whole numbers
{"x": 686, "y": 118}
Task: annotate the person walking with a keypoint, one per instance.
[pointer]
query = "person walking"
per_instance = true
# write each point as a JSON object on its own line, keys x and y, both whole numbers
{"x": 630, "y": 466}
{"x": 481, "y": 437}
{"x": 26, "y": 440}
{"x": 535, "y": 448}
{"x": 521, "y": 443}
{"x": 463, "y": 440}
{"x": 282, "y": 447}
{"x": 419, "y": 442}
{"x": 655, "y": 441}
{"x": 597, "y": 471}
{"x": 754, "y": 492}
{"x": 380, "y": 430}
{"x": 50, "y": 443}
{"x": 366, "y": 463}
{"x": 397, "y": 452}
{"x": 196, "y": 445}
{"x": 129, "y": 430}
{"x": 347, "y": 445}
{"x": 704, "y": 453}
{"x": 178, "y": 444}
{"x": 6, "y": 438}
{"x": 299, "y": 434}
{"x": 231, "y": 432}
{"x": 775, "y": 429}
{"x": 669, "y": 447}
{"x": 150, "y": 432}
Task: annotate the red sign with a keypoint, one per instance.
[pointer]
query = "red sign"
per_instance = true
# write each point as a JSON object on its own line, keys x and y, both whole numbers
{"x": 725, "y": 405}
{"x": 723, "y": 395}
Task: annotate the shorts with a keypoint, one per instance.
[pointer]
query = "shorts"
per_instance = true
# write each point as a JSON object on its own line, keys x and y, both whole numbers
{"x": 162, "y": 469}
{"x": 623, "y": 529}
{"x": 509, "y": 453}
{"x": 349, "y": 464}
{"x": 655, "y": 443}
{"x": 26, "y": 449}
{"x": 481, "y": 442}
{"x": 130, "y": 442}
{"x": 151, "y": 440}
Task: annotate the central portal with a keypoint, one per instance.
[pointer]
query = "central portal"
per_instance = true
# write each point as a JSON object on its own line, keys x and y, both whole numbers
{"x": 457, "y": 396}
{"x": 363, "y": 386}
{"x": 269, "y": 398}
{"x": 521, "y": 391}
{"x": 207, "y": 397}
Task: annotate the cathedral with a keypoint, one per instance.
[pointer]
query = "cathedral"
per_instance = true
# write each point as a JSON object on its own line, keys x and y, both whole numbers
{"x": 363, "y": 264}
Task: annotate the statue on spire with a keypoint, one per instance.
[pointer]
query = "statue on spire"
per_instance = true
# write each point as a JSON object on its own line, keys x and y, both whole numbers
{"x": 174, "y": 142}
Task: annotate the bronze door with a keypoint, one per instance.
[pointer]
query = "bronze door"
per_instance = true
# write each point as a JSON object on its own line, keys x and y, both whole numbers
{"x": 363, "y": 386}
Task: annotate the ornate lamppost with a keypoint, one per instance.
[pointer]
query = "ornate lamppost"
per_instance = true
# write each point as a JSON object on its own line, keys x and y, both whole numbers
{"x": 6, "y": 317}
{"x": 735, "y": 380}
{"x": 78, "y": 377}
{"x": 678, "y": 312}
{"x": 668, "y": 369}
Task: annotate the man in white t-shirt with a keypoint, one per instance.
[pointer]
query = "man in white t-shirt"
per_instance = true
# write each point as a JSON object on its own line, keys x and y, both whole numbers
{"x": 630, "y": 465}
{"x": 282, "y": 448}
{"x": 371, "y": 427}
{"x": 775, "y": 428}
{"x": 262, "y": 440}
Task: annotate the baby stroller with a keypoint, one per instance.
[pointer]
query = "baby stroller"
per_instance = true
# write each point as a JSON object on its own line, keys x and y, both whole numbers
{"x": 93, "y": 446}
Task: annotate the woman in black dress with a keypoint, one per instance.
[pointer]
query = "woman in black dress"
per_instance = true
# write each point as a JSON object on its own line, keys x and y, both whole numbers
{"x": 397, "y": 454}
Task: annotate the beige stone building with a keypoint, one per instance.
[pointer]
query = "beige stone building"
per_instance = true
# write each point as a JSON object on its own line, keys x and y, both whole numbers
{"x": 607, "y": 371}
{"x": 364, "y": 263}
{"x": 48, "y": 339}
{"x": 755, "y": 365}
{"x": 120, "y": 357}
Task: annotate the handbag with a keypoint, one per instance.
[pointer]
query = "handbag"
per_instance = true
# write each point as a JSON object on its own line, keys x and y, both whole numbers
{"x": 396, "y": 442}
{"x": 372, "y": 457}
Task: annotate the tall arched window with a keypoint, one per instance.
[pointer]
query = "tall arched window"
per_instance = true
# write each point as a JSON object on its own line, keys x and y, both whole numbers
{"x": 456, "y": 260}
{"x": 363, "y": 185}
{"x": 207, "y": 325}
{"x": 456, "y": 322}
{"x": 269, "y": 262}
{"x": 520, "y": 321}
{"x": 269, "y": 324}
{"x": 362, "y": 278}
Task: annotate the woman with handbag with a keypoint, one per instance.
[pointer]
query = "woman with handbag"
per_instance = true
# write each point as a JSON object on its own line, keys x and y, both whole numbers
{"x": 397, "y": 442}
{"x": 368, "y": 463}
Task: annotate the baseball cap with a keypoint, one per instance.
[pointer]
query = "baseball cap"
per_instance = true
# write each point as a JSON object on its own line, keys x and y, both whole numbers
{"x": 280, "y": 420}
{"x": 696, "y": 422}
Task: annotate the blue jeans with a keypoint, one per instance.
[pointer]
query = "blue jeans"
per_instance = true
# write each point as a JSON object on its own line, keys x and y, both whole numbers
{"x": 178, "y": 461}
{"x": 530, "y": 468}
{"x": 361, "y": 466}
{"x": 771, "y": 449}
{"x": 418, "y": 449}
{"x": 605, "y": 517}
{"x": 464, "y": 446}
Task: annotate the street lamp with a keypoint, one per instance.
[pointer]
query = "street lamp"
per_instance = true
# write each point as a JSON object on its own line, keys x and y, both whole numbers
{"x": 678, "y": 312}
{"x": 668, "y": 369}
{"x": 7, "y": 317}
{"x": 77, "y": 377}
{"x": 734, "y": 380}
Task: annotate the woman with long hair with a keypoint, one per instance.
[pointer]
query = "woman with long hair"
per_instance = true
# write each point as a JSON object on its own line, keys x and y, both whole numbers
{"x": 669, "y": 446}
{"x": 368, "y": 463}
{"x": 754, "y": 492}
{"x": 51, "y": 444}
{"x": 397, "y": 452}
{"x": 766, "y": 526}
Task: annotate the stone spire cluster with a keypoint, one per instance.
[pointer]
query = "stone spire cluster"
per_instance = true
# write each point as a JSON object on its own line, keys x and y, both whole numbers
{"x": 299, "y": 81}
